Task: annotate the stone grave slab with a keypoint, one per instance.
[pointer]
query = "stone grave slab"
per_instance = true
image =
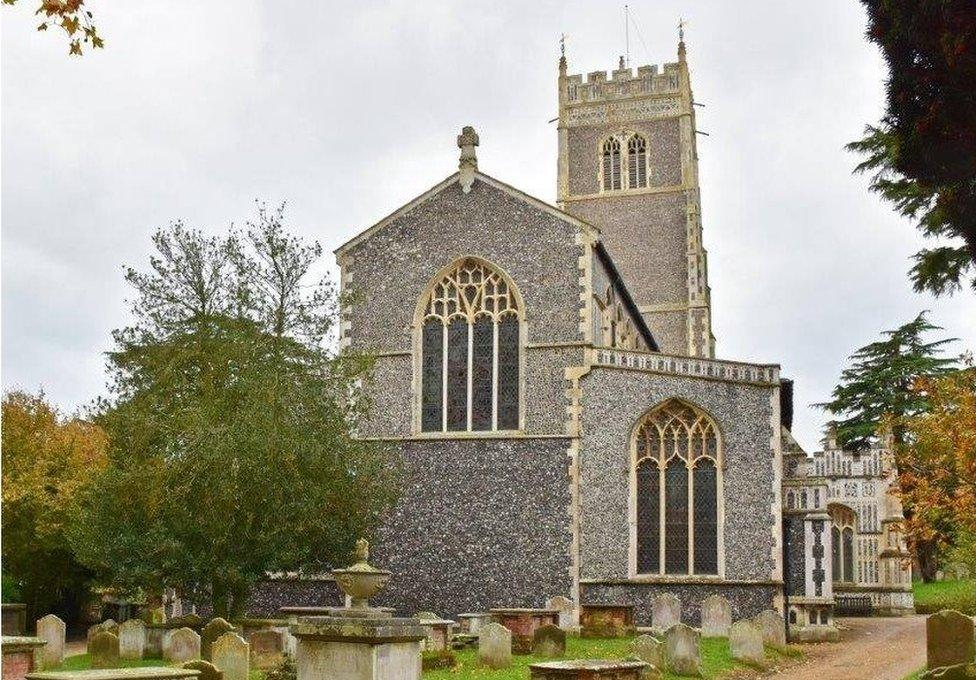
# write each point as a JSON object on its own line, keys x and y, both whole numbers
{"x": 104, "y": 650}
{"x": 773, "y": 628}
{"x": 746, "y": 642}
{"x": 523, "y": 623}
{"x": 665, "y": 611}
{"x": 132, "y": 639}
{"x": 606, "y": 620}
{"x": 549, "y": 641}
{"x": 716, "y": 616}
{"x": 682, "y": 649}
{"x": 495, "y": 646}
{"x": 232, "y": 655}
{"x": 51, "y": 629}
{"x": 182, "y": 644}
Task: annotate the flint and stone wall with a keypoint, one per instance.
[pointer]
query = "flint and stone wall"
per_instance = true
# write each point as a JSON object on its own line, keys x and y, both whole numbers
{"x": 746, "y": 600}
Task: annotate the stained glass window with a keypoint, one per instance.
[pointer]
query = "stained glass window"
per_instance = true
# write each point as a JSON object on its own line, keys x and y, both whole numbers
{"x": 611, "y": 164}
{"x": 637, "y": 162}
{"x": 433, "y": 375}
{"x": 706, "y": 518}
{"x": 476, "y": 307}
{"x": 682, "y": 441}
{"x": 648, "y": 517}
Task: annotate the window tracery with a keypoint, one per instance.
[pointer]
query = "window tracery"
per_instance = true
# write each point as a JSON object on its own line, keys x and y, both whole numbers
{"x": 613, "y": 177}
{"x": 636, "y": 162}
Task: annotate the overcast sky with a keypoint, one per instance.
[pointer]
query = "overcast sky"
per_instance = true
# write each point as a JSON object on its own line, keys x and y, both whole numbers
{"x": 347, "y": 110}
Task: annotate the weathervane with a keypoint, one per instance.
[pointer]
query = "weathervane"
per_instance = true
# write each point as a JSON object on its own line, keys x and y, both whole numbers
{"x": 681, "y": 29}
{"x": 562, "y": 45}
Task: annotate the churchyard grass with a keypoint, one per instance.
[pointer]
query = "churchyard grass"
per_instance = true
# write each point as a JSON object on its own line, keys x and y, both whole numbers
{"x": 82, "y": 662}
{"x": 958, "y": 595}
{"x": 716, "y": 661}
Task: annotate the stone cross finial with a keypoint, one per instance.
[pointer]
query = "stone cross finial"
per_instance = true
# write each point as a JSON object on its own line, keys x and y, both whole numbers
{"x": 468, "y": 164}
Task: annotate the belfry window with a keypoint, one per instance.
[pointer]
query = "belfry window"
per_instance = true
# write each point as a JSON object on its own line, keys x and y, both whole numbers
{"x": 677, "y": 488}
{"x": 636, "y": 162}
{"x": 470, "y": 352}
{"x": 611, "y": 164}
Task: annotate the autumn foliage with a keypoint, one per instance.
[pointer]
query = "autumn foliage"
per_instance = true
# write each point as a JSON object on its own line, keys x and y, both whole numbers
{"x": 72, "y": 17}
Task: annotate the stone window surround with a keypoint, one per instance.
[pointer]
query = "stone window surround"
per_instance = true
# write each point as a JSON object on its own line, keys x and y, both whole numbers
{"x": 632, "y": 573}
{"x": 417, "y": 352}
{"x": 843, "y": 518}
{"x": 623, "y": 137}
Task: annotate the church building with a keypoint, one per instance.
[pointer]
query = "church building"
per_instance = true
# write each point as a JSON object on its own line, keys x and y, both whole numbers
{"x": 546, "y": 376}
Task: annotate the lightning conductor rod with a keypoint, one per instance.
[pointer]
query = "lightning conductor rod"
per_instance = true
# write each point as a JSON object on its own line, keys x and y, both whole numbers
{"x": 627, "y": 35}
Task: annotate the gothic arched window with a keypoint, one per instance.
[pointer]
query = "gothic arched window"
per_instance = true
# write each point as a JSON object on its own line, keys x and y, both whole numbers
{"x": 677, "y": 485}
{"x": 470, "y": 352}
{"x": 636, "y": 162}
{"x": 611, "y": 164}
{"x": 842, "y": 540}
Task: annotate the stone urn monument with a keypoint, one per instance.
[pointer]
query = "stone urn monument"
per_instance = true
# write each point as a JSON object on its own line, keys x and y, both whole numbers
{"x": 358, "y": 642}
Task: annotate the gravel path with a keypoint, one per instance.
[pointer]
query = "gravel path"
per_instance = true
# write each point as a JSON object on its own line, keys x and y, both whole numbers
{"x": 870, "y": 649}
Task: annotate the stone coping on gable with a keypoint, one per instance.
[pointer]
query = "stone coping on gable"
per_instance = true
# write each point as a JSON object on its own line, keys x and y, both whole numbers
{"x": 694, "y": 367}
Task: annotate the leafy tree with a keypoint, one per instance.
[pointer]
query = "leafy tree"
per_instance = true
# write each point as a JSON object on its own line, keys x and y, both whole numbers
{"x": 937, "y": 467}
{"x": 73, "y": 18}
{"x": 923, "y": 151}
{"x": 48, "y": 460}
{"x": 878, "y": 383}
{"x": 230, "y": 419}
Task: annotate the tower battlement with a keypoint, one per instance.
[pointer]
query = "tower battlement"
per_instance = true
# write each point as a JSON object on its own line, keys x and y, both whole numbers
{"x": 623, "y": 83}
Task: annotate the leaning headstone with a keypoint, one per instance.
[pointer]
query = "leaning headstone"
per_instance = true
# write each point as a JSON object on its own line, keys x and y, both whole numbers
{"x": 773, "y": 628}
{"x": 746, "y": 642}
{"x": 207, "y": 670}
{"x": 104, "y": 650}
{"x": 650, "y": 650}
{"x": 949, "y": 639}
{"x": 665, "y": 611}
{"x": 132, "y": 639}
{"x": 495, "y": 646}
{"x": 51, "y": 629}
{"x": 232, "y": 655}
{"x": 681, "y": 647}
{"x": 566, "y": 609}
{"x": 716, "y": 616}
{"x": 549, "y": 641}
{"x": 213, "y": 630}
{"x": 267, "y": 648}
{"x": 181, "y": 645}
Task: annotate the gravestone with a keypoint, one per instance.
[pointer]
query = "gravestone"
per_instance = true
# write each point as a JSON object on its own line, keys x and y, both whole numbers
{"x": 232, "y": 655}
{"x": 109, "y": 626}
{"x": 681, "y": 647}
{"x": 716, "y": 616}
{"x": 665, "y": 611}
{"x": 650, "y": 650}
{"x": 549, "y": 641}
{"x": 948, "y": 639}
{"x": 267, "y": 648}
{"x": 590, "y": 669}
{"x": 746, "y": 642}
{"x": 471, "y": 622}
{"x": 773, "y": 628}
{"x": 183, "y": 644}
{"x": 51, "y": 629}
{"x": 213, "y": 630}
{"x": 207, "y": 670}
{"x": 495, "y": 646}
{"x": 566, "y": 609}
{"x": 132, "y": 639}
{"x": 104, "y": 650}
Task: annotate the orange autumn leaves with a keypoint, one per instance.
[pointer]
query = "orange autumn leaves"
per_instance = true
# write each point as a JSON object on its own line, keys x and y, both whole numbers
{"x": 71, "y": 16}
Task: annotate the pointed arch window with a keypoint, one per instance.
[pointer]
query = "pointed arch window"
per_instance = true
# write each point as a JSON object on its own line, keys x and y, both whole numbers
{"x": 677, "y": 488}
{"x": 470, "y": 352}
{"x": 611, "y": 165}
{"x": 636, "y": 162}
{"x": 842, "y": 540}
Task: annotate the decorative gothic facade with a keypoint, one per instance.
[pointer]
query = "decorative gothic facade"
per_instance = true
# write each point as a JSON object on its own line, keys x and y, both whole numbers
{"x": 545, "y": 379}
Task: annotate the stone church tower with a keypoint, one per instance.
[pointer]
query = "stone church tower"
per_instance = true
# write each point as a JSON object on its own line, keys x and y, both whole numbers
{"x": 628, "y": 165}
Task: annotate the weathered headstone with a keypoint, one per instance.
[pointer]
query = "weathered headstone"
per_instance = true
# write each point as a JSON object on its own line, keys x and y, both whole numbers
{"x": 949, "y": 639}
{"x": 746, "y": 642}
{"x": 157, "y": 615}
{"x": 649, "y": 649}
{"x": 681, "y": 645}
{"x": 267, "y": 648}
{"x": 132, "y": 639}
{"x": 232, "y": 655}
{"x": 209, "y": 634}
{"x": 104, "y": 650}
{"x": 51, "y": 629}
{"x": 108, "y": 626}
{"x": 549, "y": 640}
{"x": 716, "y": 616}
{"x": 590, "y": 669}
{"x": 566, "y": 609}
{"x": 183, "y": 644}
{"x": 495, "y": 646}
{"x": 207, "y": 670}
{"x": 773, "y": 628}
{"x": 665, "y": 611}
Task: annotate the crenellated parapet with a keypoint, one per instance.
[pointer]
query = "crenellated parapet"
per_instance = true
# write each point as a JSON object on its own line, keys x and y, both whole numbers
{"x": 623, "y": 83}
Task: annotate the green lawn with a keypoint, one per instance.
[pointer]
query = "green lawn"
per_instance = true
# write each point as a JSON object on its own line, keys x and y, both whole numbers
{"x": 716, "y": 661}
{"x": 959, "y": 595}
{"x": 82, "y": 662}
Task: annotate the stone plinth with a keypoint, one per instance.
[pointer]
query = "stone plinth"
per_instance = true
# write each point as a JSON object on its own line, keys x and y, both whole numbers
{"x": 438, "y": 632}
{"x": 587, "y": 669}
{"x": 472, "y": 622}
{"x": 350, "y": 648}
{"x": 21, "y": 655}
{"x": 606, "y": 620}
{"x": 523, "y": 623}
{"x": 293, "y": 613}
